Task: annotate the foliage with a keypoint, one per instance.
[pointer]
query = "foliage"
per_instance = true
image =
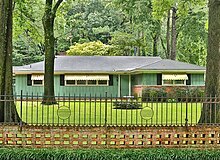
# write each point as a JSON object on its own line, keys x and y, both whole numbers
{"x": 27, "y": 32}
{"x": 88, "y": 21}
{"x": 89, "y": 49}
{"x": 131, "y": 28}
{"x": 153, "y": 94}
{"x": 191, "y": 27}
{"x": 179, "y": 93}
{"x": 108, "y": 154}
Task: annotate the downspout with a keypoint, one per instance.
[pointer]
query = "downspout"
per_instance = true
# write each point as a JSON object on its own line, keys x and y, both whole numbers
{"x": 119, "y": 85}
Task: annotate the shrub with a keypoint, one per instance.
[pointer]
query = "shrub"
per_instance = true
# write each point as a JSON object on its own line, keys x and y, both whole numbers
{"x": 154, "y": 94}
{"x": 177, "y": 94}
{"x": 108, "y": 154}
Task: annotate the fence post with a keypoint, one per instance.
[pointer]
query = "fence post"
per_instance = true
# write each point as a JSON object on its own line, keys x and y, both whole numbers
{"x": 106, "y": 99}
{"x": 186, "y": 119}
{"x": 21, "y": 111}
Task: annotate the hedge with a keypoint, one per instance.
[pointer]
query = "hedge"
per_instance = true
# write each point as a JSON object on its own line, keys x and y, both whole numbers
{"x": 107, "y": 154}
{"x": 177, "y": 94}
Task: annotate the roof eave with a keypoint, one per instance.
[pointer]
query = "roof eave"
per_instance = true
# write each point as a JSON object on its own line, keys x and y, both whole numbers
{"x": 168, "y": 71}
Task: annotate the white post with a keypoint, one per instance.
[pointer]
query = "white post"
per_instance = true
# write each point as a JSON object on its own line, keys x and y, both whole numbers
{"x": 119, "y": 85}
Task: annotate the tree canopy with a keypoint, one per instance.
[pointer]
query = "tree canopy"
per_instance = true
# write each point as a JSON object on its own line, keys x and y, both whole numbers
{"x": 128, "y": 27}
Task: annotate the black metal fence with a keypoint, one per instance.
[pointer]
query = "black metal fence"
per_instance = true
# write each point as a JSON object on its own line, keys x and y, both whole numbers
{"x": 110, "y": 111}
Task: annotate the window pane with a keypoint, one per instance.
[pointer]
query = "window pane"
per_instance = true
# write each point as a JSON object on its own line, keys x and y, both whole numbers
{"x": 38, "y": 81}
{"x": 73, "y": 82}
{"x": 167, "y": 82}
{"x": 179, "y": 82}
{"x": 102, "y": 82}
{"x": 81, "y": 82}
{"x": 91, "y": 82}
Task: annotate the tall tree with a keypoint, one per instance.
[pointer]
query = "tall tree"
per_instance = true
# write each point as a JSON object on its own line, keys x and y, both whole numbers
{"x": 49, "y": 40}
{"x": 173, "y": 34}
{"x": 8, "y": 112}
{"x": 211, "y": 112}
{"x": 175, "y": 11}
{"x": 168, "y": 35}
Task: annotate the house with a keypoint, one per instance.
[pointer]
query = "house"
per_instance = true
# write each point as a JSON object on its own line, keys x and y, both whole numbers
{"x": 116, "y": 75}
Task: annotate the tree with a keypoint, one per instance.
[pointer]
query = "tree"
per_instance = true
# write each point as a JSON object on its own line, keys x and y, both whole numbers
{"x": 49, "y": 40}
{"x": 89, "y": 49}
{"x": 28, "y": 44}
{"x": 8, "y": 112}
{"x": 211, "y": 112}
{"x": 174, "y": 11}
{"x": 192, "y": 37}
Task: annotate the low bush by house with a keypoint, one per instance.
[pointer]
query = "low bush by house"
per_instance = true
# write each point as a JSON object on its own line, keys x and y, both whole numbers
{"x": 113, "y": 154}
{"x": 176, "y": 94}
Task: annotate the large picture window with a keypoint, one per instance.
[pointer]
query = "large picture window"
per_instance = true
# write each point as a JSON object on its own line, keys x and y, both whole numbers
{"x": 174, "y": 79}
{"x": 86, "y": 80}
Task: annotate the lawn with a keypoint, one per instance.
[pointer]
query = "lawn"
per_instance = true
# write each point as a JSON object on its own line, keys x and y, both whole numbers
{"x": 108, "y": 154}
{"x": 101, "y": 113}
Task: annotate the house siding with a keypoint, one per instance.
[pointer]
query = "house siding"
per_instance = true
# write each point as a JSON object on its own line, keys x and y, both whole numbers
{"x": 197, "y": 80}
{"x": 21, "y": 84}
{"x": 149, "y": 79}
{"x": 144, "y": 79}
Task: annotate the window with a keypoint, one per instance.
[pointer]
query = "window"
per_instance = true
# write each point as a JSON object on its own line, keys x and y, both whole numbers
{"x": 81, "y": 82}
{"x": 70, "y": 82}
{"x": 87, "y": 80}
{"x": 92, "y": 82}
{"x": 37, "y": 82}
{"x": 173, "y": 82}
{"x": 103, "y": 82}
{"x": 174, "y": 79}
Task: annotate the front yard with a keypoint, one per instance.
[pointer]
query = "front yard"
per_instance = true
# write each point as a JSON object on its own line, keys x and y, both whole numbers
{"x": 101, "y": 113}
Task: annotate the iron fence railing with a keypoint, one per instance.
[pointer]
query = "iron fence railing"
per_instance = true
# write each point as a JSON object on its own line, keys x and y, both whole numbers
{"x": 110, "y": 111}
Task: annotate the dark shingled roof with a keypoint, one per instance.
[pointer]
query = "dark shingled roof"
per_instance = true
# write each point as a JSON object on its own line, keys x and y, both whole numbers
{"x": 167, "y": 64}
{"x": 68, "y": 64}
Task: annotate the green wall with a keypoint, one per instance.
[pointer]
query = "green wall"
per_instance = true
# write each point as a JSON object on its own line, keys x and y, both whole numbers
{"x": 144, "y": 79}
{"x": 197, "y": 80}
{"x": 149, "y": 79}
{"x": 21, "y": 84}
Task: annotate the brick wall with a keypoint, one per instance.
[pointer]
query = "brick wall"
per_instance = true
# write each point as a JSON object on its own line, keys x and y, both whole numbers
{"x": 110, "y": 137}
{"x": 137, "y": 89}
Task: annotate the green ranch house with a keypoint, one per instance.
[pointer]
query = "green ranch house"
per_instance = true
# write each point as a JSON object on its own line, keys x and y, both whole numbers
{"x": 116, "y": 75}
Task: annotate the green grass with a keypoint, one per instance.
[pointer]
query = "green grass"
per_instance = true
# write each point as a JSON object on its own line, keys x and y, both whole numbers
{"x": 91, "y": 113}
{"x": 108, "y": 154}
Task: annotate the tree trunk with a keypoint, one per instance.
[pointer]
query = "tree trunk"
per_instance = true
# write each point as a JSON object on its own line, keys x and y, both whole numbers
{"x": 49, "y": 40}
{"x": 173, "y": 35}
{"x": 8, "y": 112}
{"x": 155, "y": 42}
{"x": 211, "y": 111}
{"x": 168, "y": 35}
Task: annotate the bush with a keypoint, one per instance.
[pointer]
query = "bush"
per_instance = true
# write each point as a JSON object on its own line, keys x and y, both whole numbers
{"x": 177, "y": 94}
{"x": 154, "y": 94}
{"x": 108, "y": 154}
